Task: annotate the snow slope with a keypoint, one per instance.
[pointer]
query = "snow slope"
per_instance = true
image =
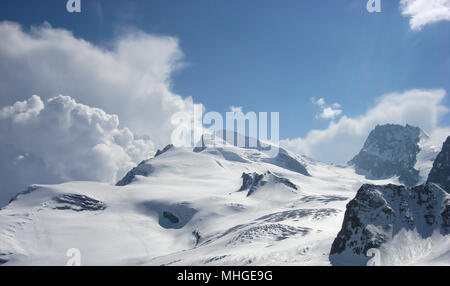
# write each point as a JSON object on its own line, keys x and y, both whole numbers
{"x": 204, "y": 206}
{"x": 188, "y": 209}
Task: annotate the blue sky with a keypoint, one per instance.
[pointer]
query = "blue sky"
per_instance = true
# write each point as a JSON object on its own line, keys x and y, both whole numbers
{"x": 362, "y": 69}
{"x": 268, "y": 56}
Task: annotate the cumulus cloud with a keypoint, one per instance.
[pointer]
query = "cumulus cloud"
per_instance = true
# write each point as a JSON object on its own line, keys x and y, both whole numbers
{"x": 423, "y": 12}
{"x": 330, "y": 113}
{"x": 62, "y": 140}
{"x": 130, "y": 78}
{"x": 50, "y": 139}
{"x": 343, "y": 139}
{"x": 327, "y": 112}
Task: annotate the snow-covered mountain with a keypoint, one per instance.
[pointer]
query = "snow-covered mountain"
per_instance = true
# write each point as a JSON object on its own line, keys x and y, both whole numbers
{"x": 378, "y": 213}
{"x": 203, "y": 206}
{"x": 396, "y": 150}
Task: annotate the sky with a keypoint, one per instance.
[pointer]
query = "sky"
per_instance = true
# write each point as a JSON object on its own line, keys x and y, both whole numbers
{"x": 332, "y": 69}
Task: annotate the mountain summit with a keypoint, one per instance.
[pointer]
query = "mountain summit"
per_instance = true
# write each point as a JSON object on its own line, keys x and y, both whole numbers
{"x": 220, "y": 204}
{"x": 391, "y": 150}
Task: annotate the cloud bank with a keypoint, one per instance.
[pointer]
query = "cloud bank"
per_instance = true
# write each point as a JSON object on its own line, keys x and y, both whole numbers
{"x": 423, "y": 12}
{"x": 51, "y": 138}
{"x": 131, "y": 78}
{"x": 344, "y": 138}
{"x": 62, "y": 140}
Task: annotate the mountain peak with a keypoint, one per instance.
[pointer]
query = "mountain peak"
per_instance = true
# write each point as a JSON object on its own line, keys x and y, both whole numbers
{"x": 254, "y": 182}
{"x": 391, "y": 150}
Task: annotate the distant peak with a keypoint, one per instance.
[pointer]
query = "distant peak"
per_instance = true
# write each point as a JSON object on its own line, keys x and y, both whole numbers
{"x": 165, "y": 149}
{"x": 391, "y": 150}
{"x": 251, "y": 182}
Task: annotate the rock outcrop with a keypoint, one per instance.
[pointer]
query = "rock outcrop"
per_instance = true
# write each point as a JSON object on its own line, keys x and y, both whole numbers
{"x": 390, "y": 150}
{"x": 440, "y": 173}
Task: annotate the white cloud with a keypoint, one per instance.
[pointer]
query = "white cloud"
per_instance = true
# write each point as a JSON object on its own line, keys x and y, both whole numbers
{"x": 131, "y": 78}
{"x": 236, "y": 108}
{"x": 320, "y": 101}
{"x": 62, "y": 140}
{"x": 343, "y": 139}
{"x": 328, "y": 112}
{"x": 423, "y": 12}
{"x": 53, "y": 139}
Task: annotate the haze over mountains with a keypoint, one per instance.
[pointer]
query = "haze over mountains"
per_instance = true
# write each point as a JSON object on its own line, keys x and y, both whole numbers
{"x": 239, "y": 206}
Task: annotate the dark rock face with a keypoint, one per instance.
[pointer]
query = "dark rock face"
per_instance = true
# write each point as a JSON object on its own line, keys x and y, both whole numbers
{"x": 171, "y": 217}
{"x": 77, "y": 203}
{"x": 390, "y": 150}
{"x": 251, "y": 182}
{"x": 440, "y": 173}
{"x": 5, "y": 257}
{"x": 378, "y": 213}
{"x": 143, "y": 169}
{"x": 164, "y": 150}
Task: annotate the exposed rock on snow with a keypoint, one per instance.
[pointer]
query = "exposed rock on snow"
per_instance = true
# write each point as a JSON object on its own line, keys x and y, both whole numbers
{"x": 30, "y": 189}
{"x": 253, "y": 182}
{"x": 183, "y": 208}
{"x": 391, "y": 150}
{"x": 77, "y": 203}
{"x": 440, "y": 173}
{"x": 170, "y": 216}
{"x": 378, "y": 213}
{"x": 143, "y": 169}
{"x": 315, "y": 214}
{"x": 164, "y": 150}
{"x": 274, "y": 232}
{"x": 228, "y": 152}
